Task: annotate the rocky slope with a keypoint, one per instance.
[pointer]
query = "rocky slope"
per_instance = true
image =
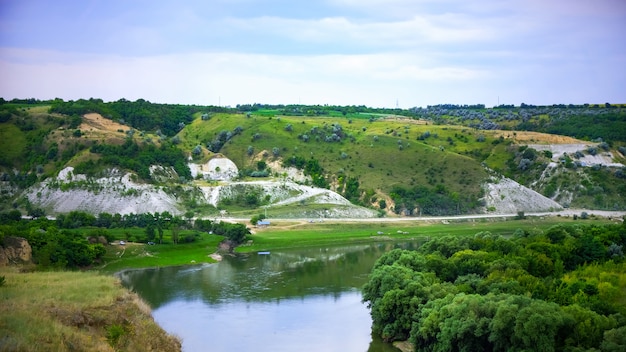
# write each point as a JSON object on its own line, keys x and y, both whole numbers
{"x": 505, "y": 196}
{"x": 117, "y": 192}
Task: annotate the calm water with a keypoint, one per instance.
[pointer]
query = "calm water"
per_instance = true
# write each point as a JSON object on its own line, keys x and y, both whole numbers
{"x": 293, "y": 300}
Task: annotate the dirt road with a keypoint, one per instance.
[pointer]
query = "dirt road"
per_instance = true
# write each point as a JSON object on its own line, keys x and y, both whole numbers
{"x": 564, "y": 213}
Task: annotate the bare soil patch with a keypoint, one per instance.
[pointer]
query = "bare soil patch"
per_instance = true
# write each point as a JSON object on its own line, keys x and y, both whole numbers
{"x": 97, "y": 122}
{"x": 536, "y": 137}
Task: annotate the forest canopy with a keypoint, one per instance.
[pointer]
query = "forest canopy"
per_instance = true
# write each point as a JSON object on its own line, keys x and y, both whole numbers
{"x": 561, "y": 290}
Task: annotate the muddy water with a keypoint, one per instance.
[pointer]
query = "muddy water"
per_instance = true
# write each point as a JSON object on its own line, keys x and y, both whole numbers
{"x": 293, "y": 300}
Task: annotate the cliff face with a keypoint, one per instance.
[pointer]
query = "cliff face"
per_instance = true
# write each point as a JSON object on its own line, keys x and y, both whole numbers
{"x": 16, "y": 250}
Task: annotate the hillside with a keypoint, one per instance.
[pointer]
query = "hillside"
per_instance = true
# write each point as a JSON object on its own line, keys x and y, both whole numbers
{"x": 294, "y": 162}
{"x": 41, "y": 311}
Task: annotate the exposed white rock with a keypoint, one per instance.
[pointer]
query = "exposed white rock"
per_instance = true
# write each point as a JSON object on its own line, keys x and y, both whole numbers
{"x": 218, "y": 168}
{"x": 112, "y": 193}
{"x": 505, "y": 196}
{"x": 279, "y": 192}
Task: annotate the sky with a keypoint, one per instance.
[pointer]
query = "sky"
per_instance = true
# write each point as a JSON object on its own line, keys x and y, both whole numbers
{"x": 377, "y": 53}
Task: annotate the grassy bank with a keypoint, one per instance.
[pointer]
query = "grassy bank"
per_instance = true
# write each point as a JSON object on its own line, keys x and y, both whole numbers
{"x": 140, "y": 255}
{"x": 283, "y": 234}
{"x": 74, "y": 311}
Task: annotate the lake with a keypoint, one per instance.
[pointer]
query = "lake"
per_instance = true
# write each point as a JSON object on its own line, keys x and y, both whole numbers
{"x": 290, "y": 300}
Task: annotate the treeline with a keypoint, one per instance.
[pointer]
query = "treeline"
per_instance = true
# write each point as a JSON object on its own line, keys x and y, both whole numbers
{"x": 561, "y": 290}
{"x": 143, "y": 115}
{"x": 53, "y": 247}
{"x": 139, "y": 159}
{"x": 78, "y": 239}
{"x": 609, "y": 126}
{"x": 322, "y": 110}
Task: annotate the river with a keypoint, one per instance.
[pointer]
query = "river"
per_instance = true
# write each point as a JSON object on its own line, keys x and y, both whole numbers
{"x": 290, "y": 300}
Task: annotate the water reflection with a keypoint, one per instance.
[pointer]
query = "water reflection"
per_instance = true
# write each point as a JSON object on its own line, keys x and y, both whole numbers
{"x": 305, "y": 300}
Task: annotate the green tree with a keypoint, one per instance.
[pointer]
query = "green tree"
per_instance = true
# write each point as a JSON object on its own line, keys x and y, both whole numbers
{"x": 175, "y": 234}
{"x": 150, "y": 232}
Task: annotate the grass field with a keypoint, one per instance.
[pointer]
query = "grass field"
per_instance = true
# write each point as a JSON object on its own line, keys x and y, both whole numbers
{"x": 140, "y": 255}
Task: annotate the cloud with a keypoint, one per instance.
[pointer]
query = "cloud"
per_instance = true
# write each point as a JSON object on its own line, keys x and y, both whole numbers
{"x": 230, "y": 78}
{"x": 369, "y": 52}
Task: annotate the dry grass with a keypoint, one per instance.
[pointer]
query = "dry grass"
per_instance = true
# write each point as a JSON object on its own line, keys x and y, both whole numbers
{"x": 535, "y": 137}
{"x": 98, "y": 123}
{"x": 65, "y": 311}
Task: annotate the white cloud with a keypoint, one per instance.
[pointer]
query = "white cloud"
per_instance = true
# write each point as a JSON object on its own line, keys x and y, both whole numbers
{"x": 340, "y": 52}
{"x": 229, "y": 78}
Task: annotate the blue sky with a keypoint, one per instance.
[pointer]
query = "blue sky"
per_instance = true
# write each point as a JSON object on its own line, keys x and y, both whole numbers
{"x": 346, "y": 52}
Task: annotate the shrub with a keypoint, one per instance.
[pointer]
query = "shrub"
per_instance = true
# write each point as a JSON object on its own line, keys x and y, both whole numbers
{"x": 524, "y": 164}
{"x": 592, "y": 150}
{"x": 114, "y": 333}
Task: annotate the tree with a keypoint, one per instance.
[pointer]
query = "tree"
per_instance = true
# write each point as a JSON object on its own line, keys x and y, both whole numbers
{"x": 150, "y": 233}
{"x": 175, "y": 234}
{"x": 160, "y": 230}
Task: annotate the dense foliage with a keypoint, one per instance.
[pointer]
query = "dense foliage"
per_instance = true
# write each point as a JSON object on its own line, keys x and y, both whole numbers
{"x": 139, "y": 159}
{"x": 54, "y": 248}
{"x": 421, "y": 200}
{"x": 561, "y": 290}
{"x": 77, "y": 239}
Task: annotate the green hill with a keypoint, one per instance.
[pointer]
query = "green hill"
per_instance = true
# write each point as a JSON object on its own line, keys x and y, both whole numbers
{"x": 378, "y": 154}
{"x": 416, "y": 161}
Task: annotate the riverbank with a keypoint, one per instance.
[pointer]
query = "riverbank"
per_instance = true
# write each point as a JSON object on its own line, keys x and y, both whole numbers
{"x": 294, "y": 233}
{"x": 283, "y": 233}
{"x": 75, "y": 311}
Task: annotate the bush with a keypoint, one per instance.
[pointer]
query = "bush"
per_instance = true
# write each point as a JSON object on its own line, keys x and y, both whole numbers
{"x": 524, "y": 164}
{"x": 592, "y": 150}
